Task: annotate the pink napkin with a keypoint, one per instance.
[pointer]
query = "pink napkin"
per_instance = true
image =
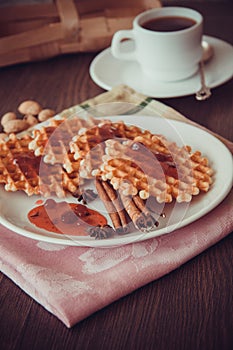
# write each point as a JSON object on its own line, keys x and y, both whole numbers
{"x": 74, "y": 282}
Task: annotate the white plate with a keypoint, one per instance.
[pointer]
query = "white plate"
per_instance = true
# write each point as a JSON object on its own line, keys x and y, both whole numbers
{"x": 15, "y": 206}
{"x": 107, "y": 72}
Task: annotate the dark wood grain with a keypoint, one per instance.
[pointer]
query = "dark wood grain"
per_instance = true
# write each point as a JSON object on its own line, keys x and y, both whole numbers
{"x": 190, "y": 308}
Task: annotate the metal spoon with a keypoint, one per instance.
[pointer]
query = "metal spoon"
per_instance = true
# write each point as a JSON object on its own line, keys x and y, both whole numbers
{"x": 204, "y": 92}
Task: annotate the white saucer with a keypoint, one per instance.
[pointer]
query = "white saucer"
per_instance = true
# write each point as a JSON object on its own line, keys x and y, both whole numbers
{"x": 108, "y": 71}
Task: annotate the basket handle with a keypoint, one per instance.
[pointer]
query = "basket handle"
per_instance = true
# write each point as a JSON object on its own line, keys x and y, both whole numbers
{"x": 69, "y": 19}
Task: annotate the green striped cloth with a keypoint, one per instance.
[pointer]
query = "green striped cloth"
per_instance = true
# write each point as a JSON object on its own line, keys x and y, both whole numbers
{"x": 123, "y": 100}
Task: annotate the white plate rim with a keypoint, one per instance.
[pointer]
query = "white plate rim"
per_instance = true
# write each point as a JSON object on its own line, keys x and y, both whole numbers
{"x": 170, "y": 88}
{"x": 182, "y": 128}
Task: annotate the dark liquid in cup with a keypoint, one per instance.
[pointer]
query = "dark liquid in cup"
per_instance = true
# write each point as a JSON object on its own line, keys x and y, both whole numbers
{"x": 168, "y": 24}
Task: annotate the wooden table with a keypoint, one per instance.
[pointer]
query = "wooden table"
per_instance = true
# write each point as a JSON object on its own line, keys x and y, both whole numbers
{"x": 192, "y": 307}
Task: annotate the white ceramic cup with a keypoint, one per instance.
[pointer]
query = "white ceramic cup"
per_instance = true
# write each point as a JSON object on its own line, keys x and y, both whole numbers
{"x": 163, "y": 55}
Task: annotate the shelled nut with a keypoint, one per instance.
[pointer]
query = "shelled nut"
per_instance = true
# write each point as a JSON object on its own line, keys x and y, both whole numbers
{"x": 15, "y": 126}
{"x": 8, "y": 116}
{"x": 31, "y": 112}
{"x": 30, "y": 119}
{"x": 45, "y": 114}
{"x": 29, "y": 107}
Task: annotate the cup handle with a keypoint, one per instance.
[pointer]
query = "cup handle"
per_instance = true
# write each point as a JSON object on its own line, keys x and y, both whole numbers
{"x": 116, "y": 45}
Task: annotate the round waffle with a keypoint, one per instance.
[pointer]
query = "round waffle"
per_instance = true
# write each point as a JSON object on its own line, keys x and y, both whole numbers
{"x": 21, "y": 170}
{"x": 153, "y": 166}
{"x": 88, "y": 145}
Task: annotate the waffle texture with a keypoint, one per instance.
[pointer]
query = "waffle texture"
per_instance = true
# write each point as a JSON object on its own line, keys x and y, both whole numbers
{"x": 61, "y": 155}
{"x": 139, "y": 162}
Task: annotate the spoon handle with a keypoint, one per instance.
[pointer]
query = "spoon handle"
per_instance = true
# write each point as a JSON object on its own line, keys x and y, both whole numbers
{"x": 204, "y": 92}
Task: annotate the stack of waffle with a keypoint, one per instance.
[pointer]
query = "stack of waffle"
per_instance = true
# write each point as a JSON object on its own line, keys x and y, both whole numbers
{"x": 58, "y": 157}
{"x": 129, "y": 165}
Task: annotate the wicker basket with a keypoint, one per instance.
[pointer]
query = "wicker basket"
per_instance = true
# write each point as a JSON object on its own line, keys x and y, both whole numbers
{"x": 39, "y": 31}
